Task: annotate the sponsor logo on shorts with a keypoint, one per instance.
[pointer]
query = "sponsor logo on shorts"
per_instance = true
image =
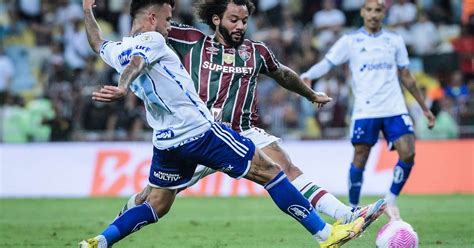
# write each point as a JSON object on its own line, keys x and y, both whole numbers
{"x": 166, "y": 176}
{"x": 298, "y": 212}
{"x": 358, "y": 132}
{"x": 228, "y": 168}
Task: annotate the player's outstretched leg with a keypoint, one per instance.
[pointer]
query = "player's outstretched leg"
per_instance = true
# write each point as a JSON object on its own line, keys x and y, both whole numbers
{"x": 138, "y": 198}
{"x": 323, "y": 201}
{"x": 158, "y": 203}
{"x": 265, "y": 172}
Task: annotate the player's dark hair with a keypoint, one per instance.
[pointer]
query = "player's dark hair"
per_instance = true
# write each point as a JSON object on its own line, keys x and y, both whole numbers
{"x": 206, "y": 9}
{"x": 137, "y": 5}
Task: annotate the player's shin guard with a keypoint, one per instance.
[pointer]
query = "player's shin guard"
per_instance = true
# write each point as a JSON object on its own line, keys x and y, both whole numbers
{"x": 400, "y": 175}
{"x": 130, "y": 221}
{"x": 356, "y": 177}
{"x": 290, "y": 201}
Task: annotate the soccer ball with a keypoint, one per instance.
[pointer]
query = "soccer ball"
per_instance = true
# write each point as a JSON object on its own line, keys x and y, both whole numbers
{"x": 397, "y": 234}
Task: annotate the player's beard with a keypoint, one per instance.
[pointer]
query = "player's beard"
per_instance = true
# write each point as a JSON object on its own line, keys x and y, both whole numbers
{"x": 227, "y": 35}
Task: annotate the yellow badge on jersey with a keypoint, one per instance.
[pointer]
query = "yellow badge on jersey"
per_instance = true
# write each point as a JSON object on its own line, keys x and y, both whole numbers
{"x": 229, "y": 58}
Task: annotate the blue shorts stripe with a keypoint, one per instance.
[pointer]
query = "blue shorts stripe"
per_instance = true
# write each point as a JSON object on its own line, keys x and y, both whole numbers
{"x": 225, "y": 132}
{"x": 225, "y": 139}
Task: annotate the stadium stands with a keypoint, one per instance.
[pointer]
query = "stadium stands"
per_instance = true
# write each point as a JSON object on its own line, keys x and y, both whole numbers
{"x": 47, "y": 68}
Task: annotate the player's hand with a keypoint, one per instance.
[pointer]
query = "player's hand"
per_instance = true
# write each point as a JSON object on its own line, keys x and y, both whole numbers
{"x": 109, "y": 93}
{"x": 320, "y": 98}
{"x": 88, "y": 4}
{"x": 431, "y": 118}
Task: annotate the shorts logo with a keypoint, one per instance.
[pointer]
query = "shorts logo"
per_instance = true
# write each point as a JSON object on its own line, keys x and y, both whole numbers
{"x": 358, "y": 132}
{"x": 164, "y": 134}
{"x": 398, "y": 175}
{"x": 166, "y": 176}
{"x": 298, "y": 212}
{"x": 227, "y": 169}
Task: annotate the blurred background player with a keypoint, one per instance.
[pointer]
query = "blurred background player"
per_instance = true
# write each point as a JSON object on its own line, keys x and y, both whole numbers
{"x": 376, "y": 58}
{"x": 185, "y": 133}
{"x": 225, "y": 67}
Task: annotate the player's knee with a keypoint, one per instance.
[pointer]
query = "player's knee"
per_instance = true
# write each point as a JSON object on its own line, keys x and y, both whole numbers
{"x": 408, "y": 157}
{"x": 361, "y": 154}
{"x": 160, "y": 207}
{"x": 160, "y": 203}
{"x": 360, "y": 158}
{"x": 262, "y": 173}
{"x": 291, "y": 171}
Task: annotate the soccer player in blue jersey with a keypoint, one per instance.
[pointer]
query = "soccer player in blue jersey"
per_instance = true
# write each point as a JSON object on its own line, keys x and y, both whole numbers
{"x": 184, "y": 131}
{"x": 376, "y": 58}
{"x": 225, "y": 67}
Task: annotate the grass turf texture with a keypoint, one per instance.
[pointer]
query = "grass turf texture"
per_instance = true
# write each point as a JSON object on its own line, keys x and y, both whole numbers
{"x": 441, "y": 221}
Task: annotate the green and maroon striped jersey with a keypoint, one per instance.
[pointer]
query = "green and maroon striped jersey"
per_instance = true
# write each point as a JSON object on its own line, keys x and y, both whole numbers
{"x": 225, "y": 77}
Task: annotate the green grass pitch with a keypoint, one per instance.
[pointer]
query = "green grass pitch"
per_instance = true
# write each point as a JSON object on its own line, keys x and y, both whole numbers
{"x": 441, "y": 221}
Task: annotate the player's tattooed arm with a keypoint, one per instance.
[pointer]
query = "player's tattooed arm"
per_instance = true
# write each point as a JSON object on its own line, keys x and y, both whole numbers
{"x": 110, "y": 93}
{"x": 94, "y": 34}
{"x": 290, "y": 80}
{"x": 132, "y": 71}
{"x": 410, "y": 83}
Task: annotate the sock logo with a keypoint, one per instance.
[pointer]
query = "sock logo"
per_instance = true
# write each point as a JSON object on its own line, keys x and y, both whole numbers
{"x": 298, "y": 212}
{"x": 398, "y": 175}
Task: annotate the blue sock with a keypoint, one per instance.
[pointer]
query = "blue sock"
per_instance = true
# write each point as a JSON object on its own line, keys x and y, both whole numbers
{"x": 130, "y": 221}
{"x": 356, "y": 177}
{"x": 292, "y": 202}
{"x": 400, "y": 175}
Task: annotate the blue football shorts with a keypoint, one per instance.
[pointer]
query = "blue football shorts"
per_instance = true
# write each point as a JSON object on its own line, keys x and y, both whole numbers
{"x": 366, "y": 131}
{"x": 220, "y": 148}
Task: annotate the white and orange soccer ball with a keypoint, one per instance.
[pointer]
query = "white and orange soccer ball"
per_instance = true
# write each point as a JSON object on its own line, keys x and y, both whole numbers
{"x": 397, "y": 234}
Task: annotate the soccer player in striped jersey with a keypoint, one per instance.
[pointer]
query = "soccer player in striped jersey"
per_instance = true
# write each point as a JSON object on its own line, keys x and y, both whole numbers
{"x": 376, "y": 57}
{"x": 224, "y": 68}
{"x": 184, "y": 130}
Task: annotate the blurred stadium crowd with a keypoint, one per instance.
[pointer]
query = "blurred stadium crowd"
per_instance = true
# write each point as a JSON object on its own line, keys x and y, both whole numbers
{"x": 48, "y": 71}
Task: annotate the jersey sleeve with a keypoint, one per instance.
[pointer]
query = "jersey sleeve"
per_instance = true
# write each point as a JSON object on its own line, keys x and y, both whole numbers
{"x": 339, "y": 52}
{"x": 183, "y": 37}
{"x": 150, "y": 46}
{"x": 106, "y": 52}
{"x": 401, "y": 54}
{"x": 270, "y": 62}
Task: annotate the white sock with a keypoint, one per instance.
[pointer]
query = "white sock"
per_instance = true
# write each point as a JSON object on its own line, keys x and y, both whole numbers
{"x": 391, "y": 199}
{"x": 320, "y": 199}
{"x": 323, "y": 235}
{"x": 330, "y": 205}
{"x": 102, "y": 241}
